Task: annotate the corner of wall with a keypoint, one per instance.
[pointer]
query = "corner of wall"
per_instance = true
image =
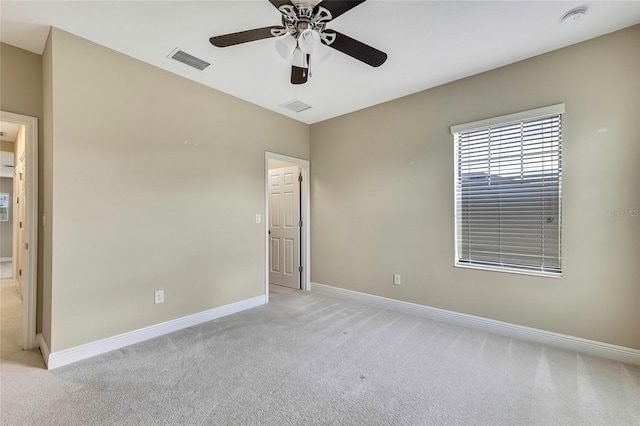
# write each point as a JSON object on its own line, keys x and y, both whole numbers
{"x": 45, "y": 171}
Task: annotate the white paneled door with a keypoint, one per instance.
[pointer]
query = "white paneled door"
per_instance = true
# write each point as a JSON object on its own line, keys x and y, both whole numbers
{"x": 20, "y": 224}
{"x": 284, "y": 227}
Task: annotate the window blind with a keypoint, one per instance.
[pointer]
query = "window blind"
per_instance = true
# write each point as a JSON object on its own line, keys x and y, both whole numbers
{"x": 508, "y": 195}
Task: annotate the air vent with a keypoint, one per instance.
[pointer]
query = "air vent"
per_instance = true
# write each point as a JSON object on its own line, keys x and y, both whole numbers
{"x": 296, "y": 106}
{"x": 187, "y": 59}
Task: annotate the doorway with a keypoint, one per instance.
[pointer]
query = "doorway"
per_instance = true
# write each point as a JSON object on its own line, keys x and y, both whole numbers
{"x": 24, "y": 207}
{"x": 287, "y": 229}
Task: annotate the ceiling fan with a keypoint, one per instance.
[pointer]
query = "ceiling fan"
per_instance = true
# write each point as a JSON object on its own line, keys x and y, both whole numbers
{"x": 304, "y": 34}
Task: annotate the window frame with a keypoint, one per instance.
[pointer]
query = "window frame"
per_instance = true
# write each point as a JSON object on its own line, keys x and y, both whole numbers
{"x": 558, "y": 109}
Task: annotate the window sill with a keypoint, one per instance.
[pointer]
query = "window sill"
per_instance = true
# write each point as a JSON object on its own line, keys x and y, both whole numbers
{"x": 508, "y": 270}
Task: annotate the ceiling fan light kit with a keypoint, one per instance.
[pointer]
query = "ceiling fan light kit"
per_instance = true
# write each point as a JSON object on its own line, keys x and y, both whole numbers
{"x": 285, "y": 46}
{"x": 308, "y": 40}
{"x": 304, "y": 35}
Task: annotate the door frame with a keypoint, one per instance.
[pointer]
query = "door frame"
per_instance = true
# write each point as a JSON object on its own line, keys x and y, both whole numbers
{"x": 305, "y": 214}
{"x": 30, "y": 264}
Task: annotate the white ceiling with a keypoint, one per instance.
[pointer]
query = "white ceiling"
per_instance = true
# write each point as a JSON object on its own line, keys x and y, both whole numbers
{"x": 10, "y": 131}
{"x": 428, "y": 42}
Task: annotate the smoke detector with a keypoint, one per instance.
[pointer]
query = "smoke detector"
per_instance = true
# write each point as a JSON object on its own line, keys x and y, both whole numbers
{"x": 574, "y": 15}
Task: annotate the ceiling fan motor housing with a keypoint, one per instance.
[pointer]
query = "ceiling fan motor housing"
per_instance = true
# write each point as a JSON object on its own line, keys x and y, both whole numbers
{"x": 301, "y": 17}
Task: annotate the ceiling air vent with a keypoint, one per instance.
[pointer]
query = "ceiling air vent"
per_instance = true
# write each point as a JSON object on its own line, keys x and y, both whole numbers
{"x": 190, "y": 60}
{"x": 296, "y": 106}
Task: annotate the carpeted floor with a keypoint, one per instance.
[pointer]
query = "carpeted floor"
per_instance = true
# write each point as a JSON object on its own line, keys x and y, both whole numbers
{"x": 10, "y": 318}
{"x": 306, "y": 358}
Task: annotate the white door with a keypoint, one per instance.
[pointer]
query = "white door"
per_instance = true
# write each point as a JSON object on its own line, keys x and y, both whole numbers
{"x": 284, "y": 227}
{"x": 19, "y": 225}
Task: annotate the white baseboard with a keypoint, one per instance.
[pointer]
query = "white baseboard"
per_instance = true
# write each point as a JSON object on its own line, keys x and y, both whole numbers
{"x": 78, "y": 353}
{"x": 44, "y": 349}
{"x": 591, "y": 347}
{"x": 6, "y": 259}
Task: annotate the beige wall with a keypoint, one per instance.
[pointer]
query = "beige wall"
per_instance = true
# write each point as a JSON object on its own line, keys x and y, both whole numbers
{"x": 382, "y": 194}
{"x": 7, "y": 146}
{"x": 156, "y": 183}
{"x": 21, "y": 93}
{"x": 20, "y": 81}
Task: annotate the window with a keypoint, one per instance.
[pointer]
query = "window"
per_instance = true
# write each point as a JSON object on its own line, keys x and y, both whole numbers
{"x": 4, "y": 207}
{"x": 508, "y": 174}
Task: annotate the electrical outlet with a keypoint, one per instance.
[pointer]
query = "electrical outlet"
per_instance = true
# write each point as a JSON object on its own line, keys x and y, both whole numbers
{"x": 159, "y": 297}
{"x": 396, "y": 279}
{"x": 258, "y": 218}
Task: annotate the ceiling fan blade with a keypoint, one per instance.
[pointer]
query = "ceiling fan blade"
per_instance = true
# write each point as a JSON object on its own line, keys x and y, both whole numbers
{"x": 227, "y": 40}
{"x": 338, "y": 7}
{"x": 278, "y": 3}
{"x": 299, "y": 75}
{"x": 358, "y": 50}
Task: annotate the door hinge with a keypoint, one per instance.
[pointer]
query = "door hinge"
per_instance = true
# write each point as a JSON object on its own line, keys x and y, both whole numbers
{"x": 20, "y": 226}
{"x": 19, "y": 272}
{"x": 299, "y": 268}
{"x": 300, "y": 178}
{"x": 300, "y": 223}
{"x": 26, "y": 246}
{"x": 17, "y": 200}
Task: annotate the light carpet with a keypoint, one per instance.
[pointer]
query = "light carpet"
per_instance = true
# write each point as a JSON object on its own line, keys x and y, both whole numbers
{"x": 10, "y": 319}
{"x": 307, "y": 358}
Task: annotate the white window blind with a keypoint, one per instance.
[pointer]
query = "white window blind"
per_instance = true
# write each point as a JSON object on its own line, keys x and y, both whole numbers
{"x": 508, "y": 194}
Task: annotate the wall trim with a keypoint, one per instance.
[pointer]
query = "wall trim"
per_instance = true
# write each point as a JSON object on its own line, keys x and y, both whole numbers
{"x": 578, "y": 344}
{"x": 88, "y": 350}
{"x": 6, "y": 259}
